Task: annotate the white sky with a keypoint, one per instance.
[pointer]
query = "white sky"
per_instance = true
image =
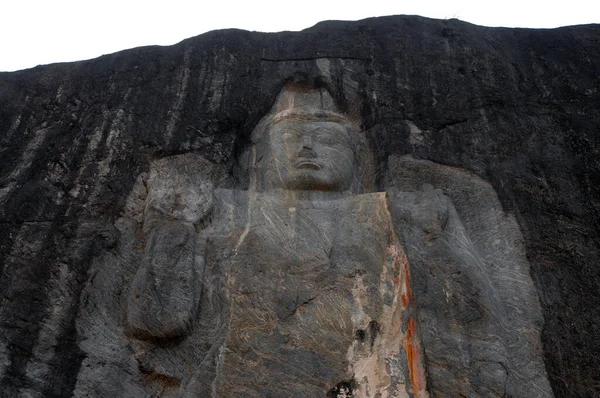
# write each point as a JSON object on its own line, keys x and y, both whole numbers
{"x": 34, "y": 32}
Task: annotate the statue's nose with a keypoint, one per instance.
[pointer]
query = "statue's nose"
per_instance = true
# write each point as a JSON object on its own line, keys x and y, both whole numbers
{"x": 307, "y": 148}
{"x": 307, "y": 142}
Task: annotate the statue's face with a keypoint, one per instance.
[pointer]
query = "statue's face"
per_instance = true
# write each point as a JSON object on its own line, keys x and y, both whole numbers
{"x": 311, "y": 155}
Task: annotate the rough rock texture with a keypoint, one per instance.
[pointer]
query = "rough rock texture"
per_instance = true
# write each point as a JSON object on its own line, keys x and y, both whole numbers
{"x": 481, "y": 112}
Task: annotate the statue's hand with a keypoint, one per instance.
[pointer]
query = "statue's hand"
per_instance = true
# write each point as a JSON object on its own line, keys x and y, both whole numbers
{"x": 426, "y": 210}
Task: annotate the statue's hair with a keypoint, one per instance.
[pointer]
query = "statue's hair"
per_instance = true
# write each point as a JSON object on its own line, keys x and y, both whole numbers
{"x": 294, "y": 114}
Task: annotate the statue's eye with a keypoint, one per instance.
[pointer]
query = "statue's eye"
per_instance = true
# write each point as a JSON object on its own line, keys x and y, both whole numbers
{"x": 327, "y": 141}
{"x": 326, "y": 138}
{"x": 291, "y": 135}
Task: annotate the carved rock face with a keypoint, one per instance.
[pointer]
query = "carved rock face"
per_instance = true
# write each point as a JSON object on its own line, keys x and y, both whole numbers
{"x": 310, "y": 155}
{"x": 509, "y": 116}
{"x": 305, "y": 286}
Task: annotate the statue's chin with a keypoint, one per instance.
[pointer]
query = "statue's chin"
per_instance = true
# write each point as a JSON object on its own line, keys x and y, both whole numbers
{"x": 305, "y": 179}
{"x": 307, "y": 182}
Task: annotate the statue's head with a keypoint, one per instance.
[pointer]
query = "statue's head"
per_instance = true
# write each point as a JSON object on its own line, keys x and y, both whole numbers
{"x": 305, "y": 144}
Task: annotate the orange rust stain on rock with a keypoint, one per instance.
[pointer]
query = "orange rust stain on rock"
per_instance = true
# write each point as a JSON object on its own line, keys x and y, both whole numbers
{"x": 407, "y": 279}
{"x": 406, "y": 295}
{"x": 404, "y": 299}
{"x": 411, "y": 344}
{"x": 411, "y": 338}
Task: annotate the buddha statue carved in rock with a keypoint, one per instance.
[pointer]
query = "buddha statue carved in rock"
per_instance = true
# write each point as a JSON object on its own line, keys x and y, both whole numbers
{"x": 301, "y": 285}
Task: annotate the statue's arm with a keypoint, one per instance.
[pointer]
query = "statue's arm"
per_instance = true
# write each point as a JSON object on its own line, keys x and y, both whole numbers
{"x": 164, "y": 295}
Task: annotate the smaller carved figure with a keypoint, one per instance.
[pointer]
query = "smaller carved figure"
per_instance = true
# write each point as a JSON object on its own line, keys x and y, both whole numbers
{"x": 165, "y": 293}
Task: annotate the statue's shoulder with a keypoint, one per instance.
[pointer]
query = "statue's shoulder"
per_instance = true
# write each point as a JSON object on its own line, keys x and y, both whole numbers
{"x": 427, "y": 197}
{"x": 230, "y": 196}
{"x": 428, "y": 209}
{"x": 369, "y": 208}
{"x": 230, "y": 210}
{"x": 367, "y": 198}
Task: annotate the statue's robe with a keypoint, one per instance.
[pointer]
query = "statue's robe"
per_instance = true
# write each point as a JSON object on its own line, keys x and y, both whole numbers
{"x": 320, "y": 297}
{"x": 317, "y": 298}
{"x": 378, "y": 293}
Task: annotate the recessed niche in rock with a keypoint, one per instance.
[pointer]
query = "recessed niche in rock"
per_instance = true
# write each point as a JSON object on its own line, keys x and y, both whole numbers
{"x": 307, "y": 282}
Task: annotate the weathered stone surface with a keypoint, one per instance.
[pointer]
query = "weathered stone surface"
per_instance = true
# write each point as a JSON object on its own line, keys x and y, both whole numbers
{"x": 301, "y": 285}
{"x": 502, "y": 121}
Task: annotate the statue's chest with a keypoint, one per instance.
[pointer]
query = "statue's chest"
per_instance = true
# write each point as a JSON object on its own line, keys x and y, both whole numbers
{"x": 285, "y": 257}
{"x": 292, "y": 237}
{"x": 300, "y": 284}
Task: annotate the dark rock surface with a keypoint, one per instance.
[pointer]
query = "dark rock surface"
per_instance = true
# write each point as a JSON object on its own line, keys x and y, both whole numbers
{"x": 518, "y": 108}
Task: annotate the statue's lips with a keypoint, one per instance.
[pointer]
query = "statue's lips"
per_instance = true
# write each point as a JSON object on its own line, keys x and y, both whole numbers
{"x": 307, "y": 164}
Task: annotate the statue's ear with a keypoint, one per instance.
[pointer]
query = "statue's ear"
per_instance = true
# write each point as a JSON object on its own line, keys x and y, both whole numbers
{"x": 364, "y": 174}
{"x": 243, "y": 167}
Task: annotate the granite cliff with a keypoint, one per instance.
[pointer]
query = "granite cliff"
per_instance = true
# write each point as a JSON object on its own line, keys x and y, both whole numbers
{"x": 503, "y": 121}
